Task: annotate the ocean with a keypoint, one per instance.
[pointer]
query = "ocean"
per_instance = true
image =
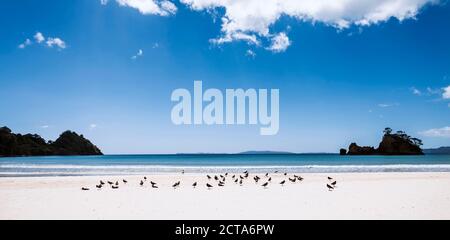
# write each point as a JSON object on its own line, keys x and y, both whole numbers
{"x": 217, "y": 163}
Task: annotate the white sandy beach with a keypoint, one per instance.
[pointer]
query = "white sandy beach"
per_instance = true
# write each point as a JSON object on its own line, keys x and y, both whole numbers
{"x": 358, "y": 196}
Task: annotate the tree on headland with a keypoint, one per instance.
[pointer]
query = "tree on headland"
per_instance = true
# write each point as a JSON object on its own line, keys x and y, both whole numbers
{"x": 387, "y": 131}
{"x": 403, "y": 135}
{"x": 417, "y": 141}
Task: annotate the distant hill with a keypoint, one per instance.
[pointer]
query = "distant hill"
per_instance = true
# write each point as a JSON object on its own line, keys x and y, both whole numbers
{"x": 265, "y": 152}
{"x": 441, "y": 150}
{"x": 68, "y": 143}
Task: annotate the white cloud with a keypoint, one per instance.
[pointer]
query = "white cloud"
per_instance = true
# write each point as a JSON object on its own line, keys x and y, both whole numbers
{"x": 155, "y": 45}
{"x": 250, "y": 20}
{"x": 92, "y": 126}
{"x": 26, "y": 43}
{"x": 103, "y": 2}
{"x": 237, "y": 36}
{"x": 39, "y": 37}
{"x": 156, "y": 7}
{"x": 436, "y": 132}
{"x": 280, "y": 43}
{"x": 446, "y": 93}
{"x": 55, "y": 42}
{"x": 45, "y": 126}
{"x": 140, "y": 53}
{"x": 416, "y": 91}
{"x": 385, "y": 105}
{"x": 250, "y": 53}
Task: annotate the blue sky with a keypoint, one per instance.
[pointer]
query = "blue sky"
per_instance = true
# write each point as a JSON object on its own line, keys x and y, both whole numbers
{"x": 343, "y": 75}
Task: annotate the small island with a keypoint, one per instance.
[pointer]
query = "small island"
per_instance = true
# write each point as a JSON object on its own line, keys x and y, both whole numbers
{"x": 68, "y": 143}
{"x": 398, "y": 143}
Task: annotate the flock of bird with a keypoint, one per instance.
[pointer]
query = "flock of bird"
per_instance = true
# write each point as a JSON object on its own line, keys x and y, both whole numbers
{"x": 220, "y": 181}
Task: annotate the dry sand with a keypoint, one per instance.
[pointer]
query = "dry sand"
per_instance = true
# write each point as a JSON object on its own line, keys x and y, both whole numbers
{"x": 358, "y": 196}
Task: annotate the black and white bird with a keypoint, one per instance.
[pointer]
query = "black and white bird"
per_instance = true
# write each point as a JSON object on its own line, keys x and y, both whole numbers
{"x": 114, "y": 187}
{"x": 293, "y": 180}
{"x": 270, "y": 179}
{"x": 283, "y": 182}
{"x": 194, "y": 184}
{"x": 154, "y": 186}
{"x": 110, "y": 183}
{"x": 99, "y": 186}
{"x": 124, "y": 181}
{"x": 216, "y": 178}
{"x": 117, "y": 183}
{"x": 209, "y": 177}
{"x": 330, "y": 178}
{"x": 176, "y": 184}
{"x": 334, "y": 184}
{"x": 265, "y": 184}
{"x": 85, "y": 189}
{"x": 101, "y": 182}
{"x": 209, "y": 186}
{"x": 330, "y": 188}
{"x": 256, "y": 179}
{"x": 141, "y": 183}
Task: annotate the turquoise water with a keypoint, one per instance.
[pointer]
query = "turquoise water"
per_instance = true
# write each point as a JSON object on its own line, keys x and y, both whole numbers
{"x": 139, "y": 164}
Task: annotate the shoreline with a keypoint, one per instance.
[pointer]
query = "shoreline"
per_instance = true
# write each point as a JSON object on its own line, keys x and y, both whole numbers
{"x": 357, "y": 196}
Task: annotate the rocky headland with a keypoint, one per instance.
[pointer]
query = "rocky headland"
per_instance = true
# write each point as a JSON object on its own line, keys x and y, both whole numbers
{"x": 398, "y": 143}
{"x": 68, "y": 143}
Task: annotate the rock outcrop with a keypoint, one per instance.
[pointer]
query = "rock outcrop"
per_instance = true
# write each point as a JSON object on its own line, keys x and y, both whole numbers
{"x": 354, "y": 149}
{"x": 392, "y": 144}
{"x": 68, "y": 143}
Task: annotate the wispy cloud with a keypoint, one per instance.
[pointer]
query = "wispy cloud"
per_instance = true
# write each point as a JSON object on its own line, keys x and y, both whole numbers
{"x": 250, "y": 53}
{"x": 92, "y": 126}
{"x": 436, "y": 132}
{"x": 386, "y": 105}
{"x": 44, "y": 126}
{"x": 433, "y": 91}
{"x": 40, "y": 39}
{"x": 140, "y": 53}
{"x": 26, "y": 43}
{"x": 416, "y": 91}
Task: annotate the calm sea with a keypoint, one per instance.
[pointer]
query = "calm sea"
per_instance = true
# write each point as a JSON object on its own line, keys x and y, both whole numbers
{"x": 160, "y": 164}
